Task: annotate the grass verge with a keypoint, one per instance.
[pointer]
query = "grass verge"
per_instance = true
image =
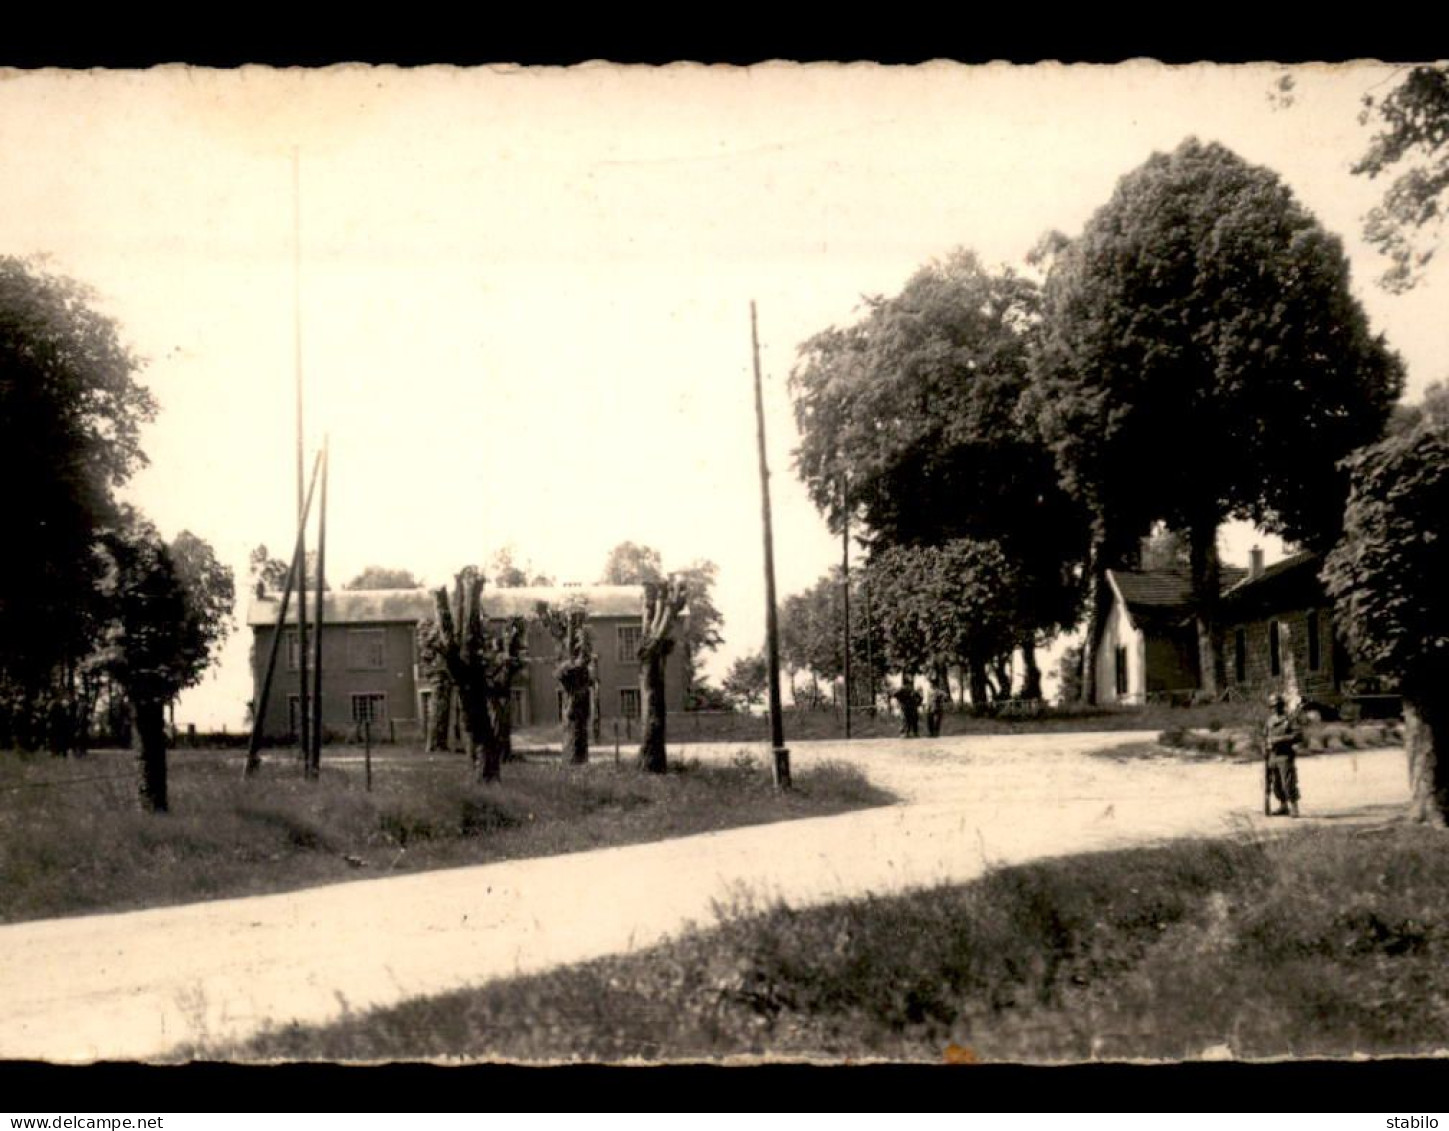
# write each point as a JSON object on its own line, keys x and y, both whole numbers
{"x": 72, "y": 840}
{"x": 1318, "y": 943}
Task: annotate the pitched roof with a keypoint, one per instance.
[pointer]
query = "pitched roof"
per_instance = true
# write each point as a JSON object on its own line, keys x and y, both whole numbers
{"x": 1161, "y": 591}
{"x": 1292, "y": 582}
{"x": 408, "y": 606}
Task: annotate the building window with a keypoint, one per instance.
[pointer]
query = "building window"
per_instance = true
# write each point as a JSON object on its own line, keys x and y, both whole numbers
{"x": 630, "y": 636}
{"x": 1315, "y": 654}
{"x": 366, "y": 649}
{"x": 629, "y": 702}
{"x": 1275, "y": 649}
{"x": 1121, "y": 670}
{"x": 294, "y": 651}
{"x": 1240, "y": 655}
{"x": 369, "y": 707}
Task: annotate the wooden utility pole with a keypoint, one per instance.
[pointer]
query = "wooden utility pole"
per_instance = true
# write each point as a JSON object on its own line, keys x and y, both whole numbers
{"x": 314, "y": 759}
{"x": 259, "y": 713}
{"x": 303, "y": 712}
{"x": 772, "y": 628}
{"x": 845, "y": 582}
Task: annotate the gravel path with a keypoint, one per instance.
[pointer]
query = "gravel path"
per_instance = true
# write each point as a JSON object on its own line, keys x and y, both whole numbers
{"x": 134, "y": 985}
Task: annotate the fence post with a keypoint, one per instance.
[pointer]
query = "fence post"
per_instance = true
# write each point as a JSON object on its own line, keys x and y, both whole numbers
{"x": 367, "y": 752}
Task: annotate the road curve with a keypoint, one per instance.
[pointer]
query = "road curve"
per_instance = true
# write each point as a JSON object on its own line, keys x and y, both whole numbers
{"x": 134, "y": 986}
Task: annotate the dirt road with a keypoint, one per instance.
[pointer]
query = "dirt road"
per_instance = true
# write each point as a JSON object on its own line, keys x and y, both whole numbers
{"x": 135, "y": 985}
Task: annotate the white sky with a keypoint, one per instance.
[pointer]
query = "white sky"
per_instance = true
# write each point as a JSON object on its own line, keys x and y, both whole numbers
{"x": 525, "y": 294}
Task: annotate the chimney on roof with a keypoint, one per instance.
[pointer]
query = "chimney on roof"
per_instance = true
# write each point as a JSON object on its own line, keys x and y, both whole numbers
{"x": 1255, "y": 563}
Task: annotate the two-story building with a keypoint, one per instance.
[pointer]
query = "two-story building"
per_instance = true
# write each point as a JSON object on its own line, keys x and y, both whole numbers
{"x": 372, "y": 674}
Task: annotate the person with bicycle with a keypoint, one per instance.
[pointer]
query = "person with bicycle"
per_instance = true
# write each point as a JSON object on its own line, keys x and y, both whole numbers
{"x": 1281, "y": 738}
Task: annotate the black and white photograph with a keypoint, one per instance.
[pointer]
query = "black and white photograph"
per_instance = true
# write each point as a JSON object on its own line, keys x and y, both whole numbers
{"x": 798, "y": 563}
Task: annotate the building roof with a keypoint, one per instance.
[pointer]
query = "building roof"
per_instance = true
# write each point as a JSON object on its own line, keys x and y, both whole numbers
{"x": 1163, "y": 591}
{"x": 1290, "y": 583}
{"x": 408, "y": 606}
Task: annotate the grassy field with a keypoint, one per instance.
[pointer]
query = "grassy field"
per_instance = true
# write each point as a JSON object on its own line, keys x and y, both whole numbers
{"x": 1317, "y": 943}
{"x": 73, "y": 841}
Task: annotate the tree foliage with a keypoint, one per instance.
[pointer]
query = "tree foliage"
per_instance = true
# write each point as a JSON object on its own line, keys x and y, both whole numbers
{"x": 1386, "y": 577}
{"x": 942, "y": 606}
{"x": 71, "y": 412}
{"x": 382, "y": 577}
{"x": 269, "y": 574}
{"x": 169, "y": 612}
{"x": 1202, "y": 356}
{"x": 911, "y": 421}
{"x": 747, "y": 681}
{"x": 812, "y": 636}
{"x": 1412, "y": 146}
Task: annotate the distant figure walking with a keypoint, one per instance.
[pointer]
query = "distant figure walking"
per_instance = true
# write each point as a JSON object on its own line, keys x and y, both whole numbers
{"x": 1281, "y": 737}
{"x": 910, "y": 700}
{"x": 936, "y": 711}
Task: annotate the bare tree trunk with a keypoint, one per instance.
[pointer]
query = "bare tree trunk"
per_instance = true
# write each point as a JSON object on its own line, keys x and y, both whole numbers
{"x": 1001, "y": 667}
{"x": 577, "y": 708}
{"x": 1206, "y": 570}
{"x": 1096, "y": 586}
{"x": 976, "y": 678}
{"x": 150, "y": 715}
{"x": 1031, "y": 685}
{"x": 440, "y": 725}
{"x": 652, "y": 756}
{"x": 500, "y": 718}
{"x": 1424, "y": 739}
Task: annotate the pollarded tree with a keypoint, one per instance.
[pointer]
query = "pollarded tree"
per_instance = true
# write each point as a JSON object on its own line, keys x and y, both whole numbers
{"x": 171, "y": 609}
{"x": 1387, "y": 580}
{"x": 575, "y": 671}
{"x": 663, "y": 602}
{"x": 1202, "y": 358}
{"x": 912, "y": 425}
{"x": 630, "y": 563}
{"x": 481, "y": 664}
{"x": 434, "y": 670}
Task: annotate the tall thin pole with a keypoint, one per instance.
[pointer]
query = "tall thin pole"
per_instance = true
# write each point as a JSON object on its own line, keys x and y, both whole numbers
{"x": 259, "y": 713}
{"x": 303, "y": 691}
{"x": 869, "y": 650}
{"x": 772, "y": 628}
{"x": 845, "y": 580}
{"x": 314, "y": 764}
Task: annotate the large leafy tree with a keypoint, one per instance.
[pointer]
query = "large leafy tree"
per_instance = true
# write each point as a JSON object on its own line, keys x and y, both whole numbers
{"x": 1387, "y": 579}
{"x": 959, "y": 604}
{"x": 71, "y": 412}
{"x": 747, "y": 680}
{"x": 912, "y": 427}
{"x": 812, "y": 637}
{"x": 169, "y": 611}
{"x": 1202, "y": 358}
{"x": 1412, "y": 148}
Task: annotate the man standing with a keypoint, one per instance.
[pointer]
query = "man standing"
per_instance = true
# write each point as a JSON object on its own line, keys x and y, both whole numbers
{"x": 935, "y": 711}
{"x": 910, "y": 701}
{"x": 1281, "y": 737}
